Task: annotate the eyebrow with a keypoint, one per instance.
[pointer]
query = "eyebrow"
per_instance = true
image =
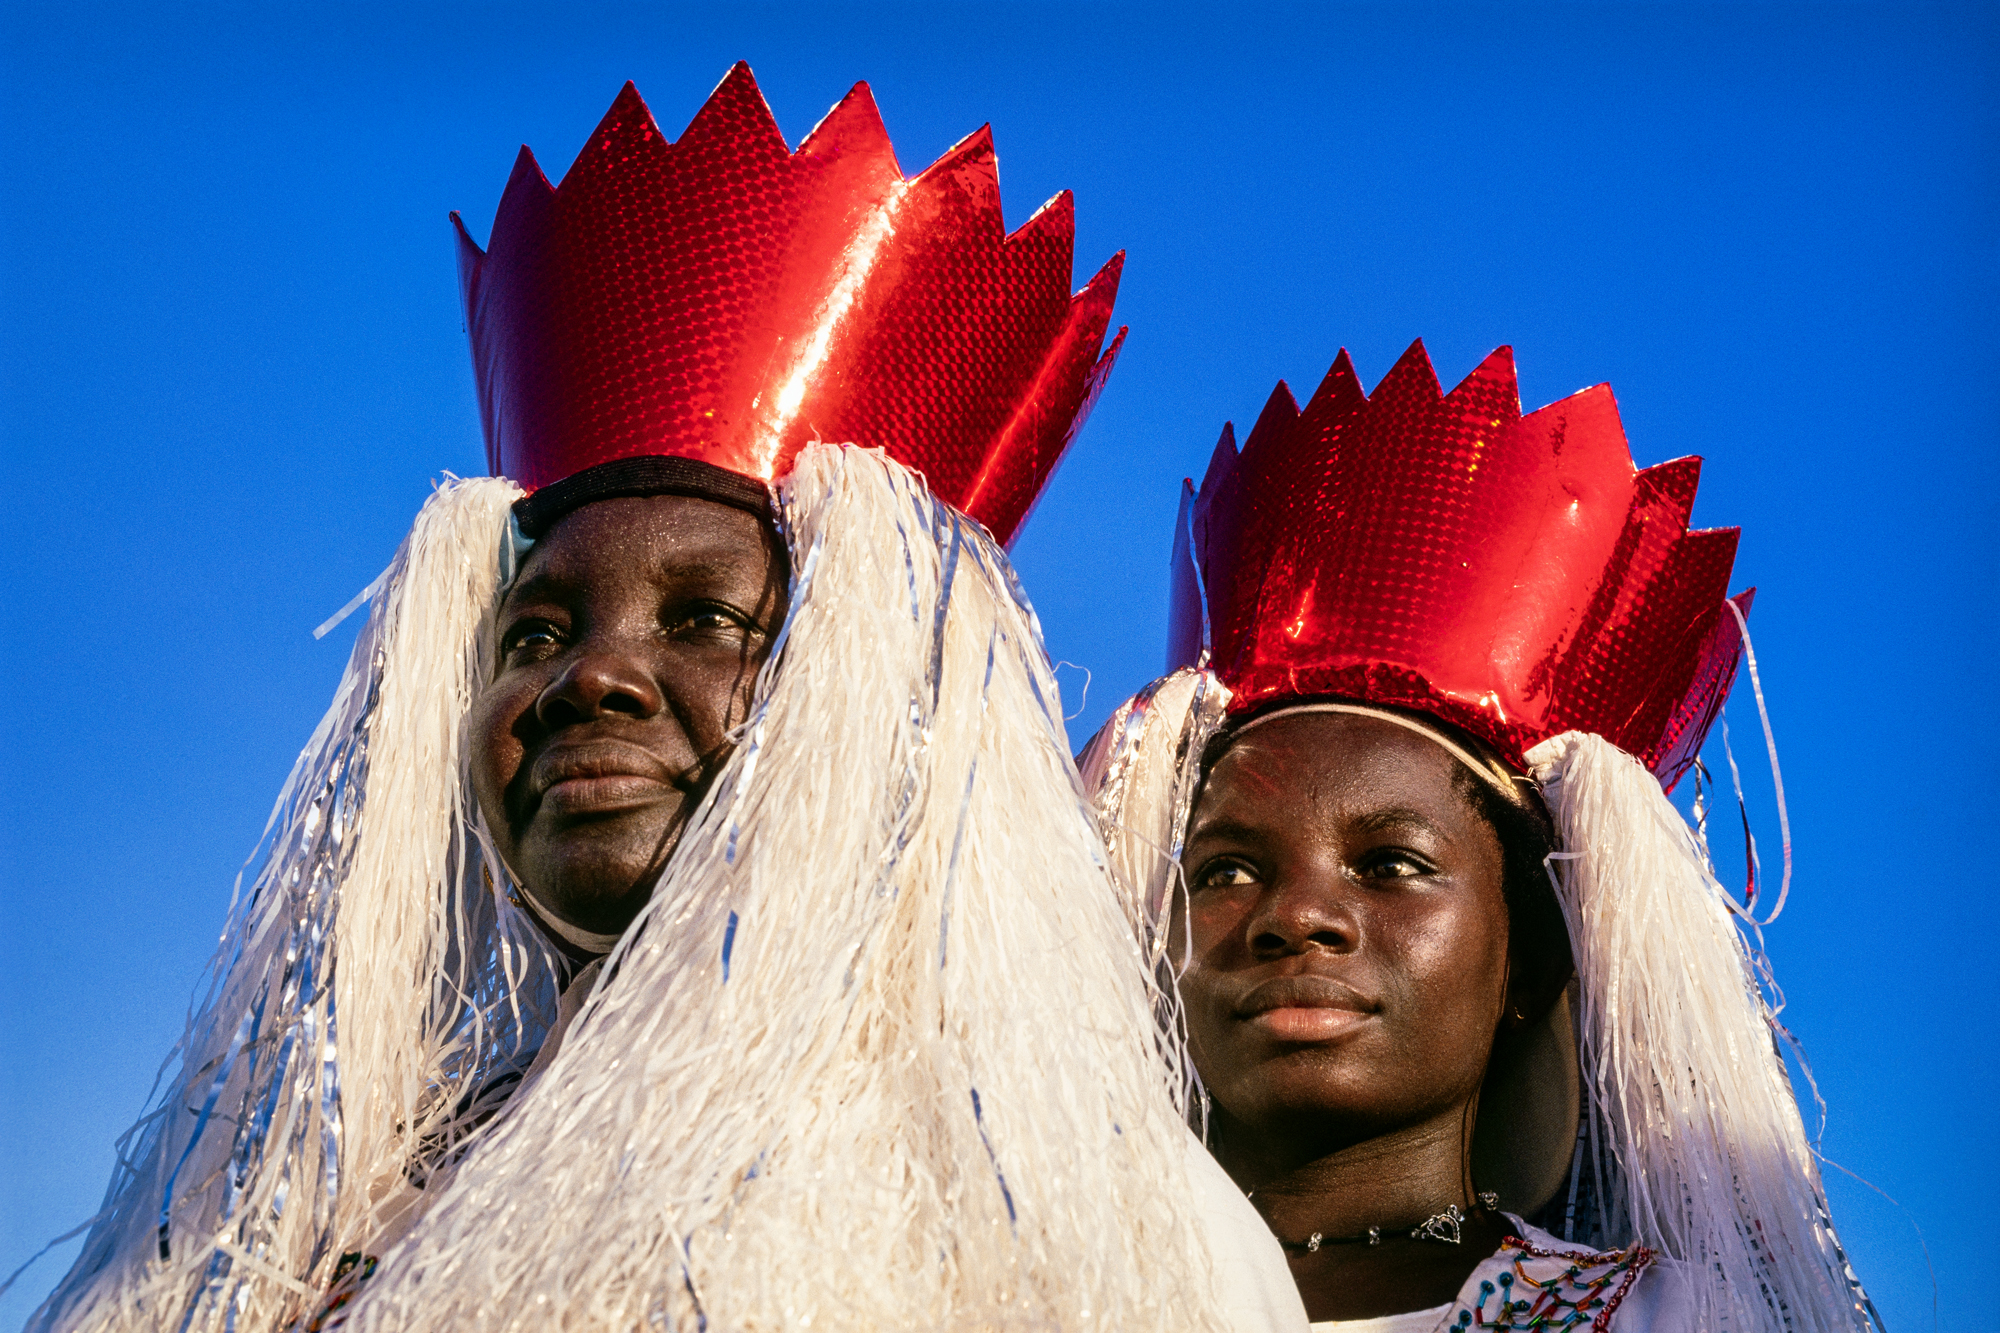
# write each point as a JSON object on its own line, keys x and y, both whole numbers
{"x": 1379, "y": 821}
{"x": 539, "y": 585}
{"x": 1375, "y": 821}
{"x": 545, "y": 583}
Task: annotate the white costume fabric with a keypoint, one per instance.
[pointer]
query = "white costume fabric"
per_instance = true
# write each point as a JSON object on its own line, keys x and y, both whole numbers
{"x": 1250, "y": 1271}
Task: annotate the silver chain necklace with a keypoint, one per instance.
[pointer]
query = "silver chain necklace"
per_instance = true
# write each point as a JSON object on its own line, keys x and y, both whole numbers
{"x": 1445, "y": 1228}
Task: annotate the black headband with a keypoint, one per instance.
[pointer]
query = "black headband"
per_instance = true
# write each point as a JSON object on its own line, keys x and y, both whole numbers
{"x": 648, "y": 474}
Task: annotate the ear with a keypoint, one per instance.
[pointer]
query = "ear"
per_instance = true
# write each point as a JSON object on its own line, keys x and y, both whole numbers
{"x": 1537, "y": 974}
{"x": 1525, "y": 1136}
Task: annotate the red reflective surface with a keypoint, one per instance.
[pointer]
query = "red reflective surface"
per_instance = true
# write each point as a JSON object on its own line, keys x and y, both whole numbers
{"x": 1513, "y": 575}
{"x": 723, "y": 298}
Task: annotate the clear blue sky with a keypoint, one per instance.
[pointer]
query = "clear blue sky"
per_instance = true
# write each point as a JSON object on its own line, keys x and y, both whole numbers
{"x": 232, "y": 363}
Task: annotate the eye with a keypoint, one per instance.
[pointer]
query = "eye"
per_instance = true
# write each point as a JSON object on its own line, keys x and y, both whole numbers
{"x": 1226, "y": 875}
{"x": 531, "y": 638}
{"x": 1393, "y": 863}
{"x": 705, "y": 620}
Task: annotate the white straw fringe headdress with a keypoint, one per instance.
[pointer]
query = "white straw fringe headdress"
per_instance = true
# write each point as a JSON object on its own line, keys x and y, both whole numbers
{"x": 879, "y": 1052}
{"x": 367, "y": 980}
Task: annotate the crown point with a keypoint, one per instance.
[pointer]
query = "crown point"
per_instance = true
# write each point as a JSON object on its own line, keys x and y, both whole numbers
{"x": 971, "y": 159}
{"x": 1221, "y": 460}
{"x": 1411, "y": 377}
{"x": 1340, "y": 389}
{"x": 1053, "y": 223}
{"x": 628, "y": 128}
{"x": 736, "y": 82}
{"x": 524, "y": 205}
{"x": 1490, "y": 393}
{"x": 970, "y": 169}
{"x": 1048, "y": 239}
{"x": 1104, "y": 283}
{"x": 1186, "y": 630}
{"x": 1497, "y": 369}
{"x": 1102, "y": 369}
{"x": 1280, "y": 411}
{"x": 736, "y": 118}
{"x": 1672, "y": 483}
{"x": 852, "y": 127}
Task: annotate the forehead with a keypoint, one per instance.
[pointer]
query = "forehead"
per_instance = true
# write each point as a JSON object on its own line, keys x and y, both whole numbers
{"x": 1331, "y": 760}
{"x": 650, "y": 534}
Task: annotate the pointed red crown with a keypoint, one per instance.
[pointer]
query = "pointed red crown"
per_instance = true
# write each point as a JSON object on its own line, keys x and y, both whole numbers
{"x": 725, "y": 299}
{"x": 1513, "y": 575}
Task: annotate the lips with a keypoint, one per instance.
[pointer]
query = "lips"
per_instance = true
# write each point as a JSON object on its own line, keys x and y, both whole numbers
{"x": 599, "y": 777}
{"x": 1304, "y": 1008}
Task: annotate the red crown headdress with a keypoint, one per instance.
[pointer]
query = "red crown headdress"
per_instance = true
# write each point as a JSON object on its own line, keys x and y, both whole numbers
{"x": 1513, "y": 575}
{"x": 725, "y": 299}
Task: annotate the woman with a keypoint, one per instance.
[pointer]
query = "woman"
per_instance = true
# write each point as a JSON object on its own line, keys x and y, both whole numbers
{"x": 1448, "y": 957}
{"x": 746, "y": 742}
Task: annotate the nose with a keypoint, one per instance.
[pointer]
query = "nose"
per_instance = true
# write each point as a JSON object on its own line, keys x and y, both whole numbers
{"x": 600, "y": 681}
{"x": 1309, "y": 909}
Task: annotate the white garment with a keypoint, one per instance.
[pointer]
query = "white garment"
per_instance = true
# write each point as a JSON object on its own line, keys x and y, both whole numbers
{"x": 1251, "y": 1275}
{"x": 1416, "y": 1321}
{"x": 1656, "y": 1299}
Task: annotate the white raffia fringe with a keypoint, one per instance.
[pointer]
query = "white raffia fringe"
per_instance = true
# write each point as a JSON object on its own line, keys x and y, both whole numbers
{"x": 365, "y": 976}
{"x": 879, "y": 1053}
{"x": 1699, "y": 1147}
{"x": 1142, "y": 769}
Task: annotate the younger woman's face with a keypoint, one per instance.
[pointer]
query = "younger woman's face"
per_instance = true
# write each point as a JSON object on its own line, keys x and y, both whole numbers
{"x": 1347, "y": 932}
{"x": 625, "y": 651}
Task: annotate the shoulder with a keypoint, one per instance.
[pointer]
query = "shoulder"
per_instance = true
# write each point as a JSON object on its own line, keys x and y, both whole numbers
{"x": 1537, "y": 1280}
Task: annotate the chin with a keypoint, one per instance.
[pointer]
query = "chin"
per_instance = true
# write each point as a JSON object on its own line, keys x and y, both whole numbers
{"x": 1297, "y": 1090}
{"x": 588, "y": 890}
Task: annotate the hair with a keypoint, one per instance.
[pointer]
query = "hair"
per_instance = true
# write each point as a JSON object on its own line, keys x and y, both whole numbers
{"x": 1538, "y": 951}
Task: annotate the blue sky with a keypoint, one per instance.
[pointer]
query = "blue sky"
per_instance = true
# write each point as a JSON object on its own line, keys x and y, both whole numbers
{"x": 233, "y": 362}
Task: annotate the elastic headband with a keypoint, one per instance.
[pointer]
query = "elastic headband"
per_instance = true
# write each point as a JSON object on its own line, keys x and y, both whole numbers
{"x": 648, "y": 474}
{"x": 1495, "y": 773}
{"x": 621, "y": 478}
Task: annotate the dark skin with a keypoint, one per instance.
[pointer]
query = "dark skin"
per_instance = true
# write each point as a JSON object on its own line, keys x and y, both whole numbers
{"x": 1349, "y": 969}
{"x": 625, "y": 650}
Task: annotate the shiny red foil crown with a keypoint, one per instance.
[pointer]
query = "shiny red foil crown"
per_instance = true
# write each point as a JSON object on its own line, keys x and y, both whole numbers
{"x": 1513, "y": 575}
{"x": 726, "y": 299}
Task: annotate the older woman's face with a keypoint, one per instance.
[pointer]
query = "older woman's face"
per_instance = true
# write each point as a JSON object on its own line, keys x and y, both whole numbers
{"x": 625, "y": 651}
{"x": 1347, "y": 929}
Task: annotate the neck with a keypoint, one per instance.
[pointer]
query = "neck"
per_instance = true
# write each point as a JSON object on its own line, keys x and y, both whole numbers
{"x": 1393, "y": 1181}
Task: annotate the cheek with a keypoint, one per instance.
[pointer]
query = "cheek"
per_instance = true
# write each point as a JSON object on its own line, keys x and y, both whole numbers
{"x": 714, "y": 688}
{"x": 495, "y": 749}
{"x": 1203, "y": 936}
{"x": 1210, "y": 924}
{"x": 1451, "y": 959}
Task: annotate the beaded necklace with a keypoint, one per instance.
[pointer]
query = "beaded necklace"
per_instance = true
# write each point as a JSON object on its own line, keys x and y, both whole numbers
{"x": 1545, "y": 1290}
